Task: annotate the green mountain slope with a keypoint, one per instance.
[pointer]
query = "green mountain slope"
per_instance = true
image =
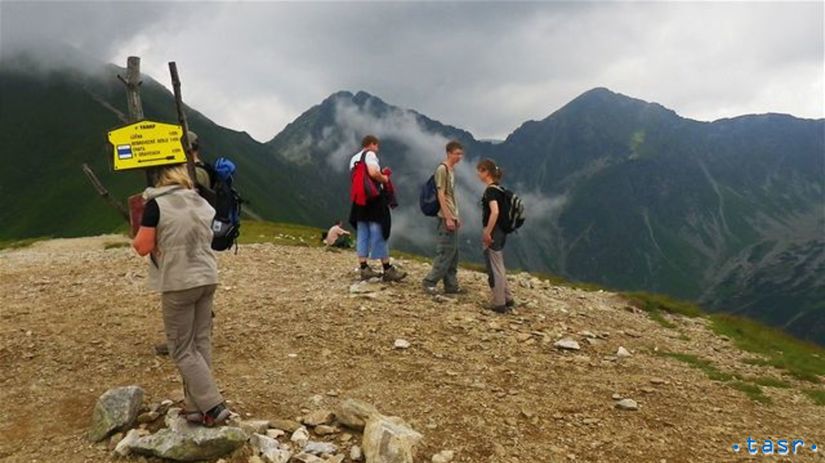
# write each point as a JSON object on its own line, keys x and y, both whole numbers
{"x": 622, "y": 192}
{"x": 52, "y": 123}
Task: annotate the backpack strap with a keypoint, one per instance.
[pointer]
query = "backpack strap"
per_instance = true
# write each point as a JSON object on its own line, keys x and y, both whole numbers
{"x": 445, "y": 166}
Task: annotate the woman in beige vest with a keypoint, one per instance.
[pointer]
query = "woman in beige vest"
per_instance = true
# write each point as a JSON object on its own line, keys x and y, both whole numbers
{"x": 176, "y": 232}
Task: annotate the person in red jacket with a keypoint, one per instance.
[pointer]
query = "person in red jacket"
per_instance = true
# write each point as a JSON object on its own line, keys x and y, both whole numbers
{"x": 370, "y": 212}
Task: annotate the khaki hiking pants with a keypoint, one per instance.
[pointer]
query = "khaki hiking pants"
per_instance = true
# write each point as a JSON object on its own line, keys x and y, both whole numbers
{"x": 187, "y": 320}
{"x": 496, "y": 272}
{"x": 445, "y": 263}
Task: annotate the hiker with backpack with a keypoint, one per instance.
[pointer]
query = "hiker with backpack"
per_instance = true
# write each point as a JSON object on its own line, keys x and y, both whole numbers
{"x": 204, "y": 172}
{"x": 502, "y": 214}
{"x": 372, "y": 195}
{"x": 445, "y": 263}
{"x": 176, "y": 232}
{"x": 214, "y": 184}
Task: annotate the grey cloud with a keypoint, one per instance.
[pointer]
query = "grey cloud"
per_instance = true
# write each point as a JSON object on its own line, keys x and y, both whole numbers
{"x": 426, "y": 151}
{"x": 46, "y": 30}
{"x": 486, "y": 67}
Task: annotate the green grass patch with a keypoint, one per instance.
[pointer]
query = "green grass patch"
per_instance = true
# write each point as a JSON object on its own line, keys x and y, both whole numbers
{"x": 284, "y": 234}
{"x": 753, "y": 391}
{"x": 769, "y": 382}
{"x": 557, "y": 280}
{"x": 750, "y": 386}
{"x": 706, "y": 366}
{"x": 19, "y": 244}
{"x": 660, "y": 319}
{"x": 816, "y": 395}
{"x": 801, "y": 359}
{"x": 652, "y": 303}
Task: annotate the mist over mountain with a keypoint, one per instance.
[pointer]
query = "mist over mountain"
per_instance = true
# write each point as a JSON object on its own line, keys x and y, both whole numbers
{"x": 619, "y": 191}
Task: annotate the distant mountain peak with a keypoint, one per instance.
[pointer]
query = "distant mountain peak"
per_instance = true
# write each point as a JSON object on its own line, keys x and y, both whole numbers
{"x": 603, "y": 95}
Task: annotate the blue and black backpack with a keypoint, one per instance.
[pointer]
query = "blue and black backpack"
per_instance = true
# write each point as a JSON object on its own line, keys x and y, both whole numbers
{"x": 428, "y": 199}
{"x": 226, "y": 226}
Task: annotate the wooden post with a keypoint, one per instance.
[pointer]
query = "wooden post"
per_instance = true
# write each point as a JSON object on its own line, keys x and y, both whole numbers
{"x": 187, "y": 144}
{"x": 104, "y": 193}
{"x": 133, "y": 83}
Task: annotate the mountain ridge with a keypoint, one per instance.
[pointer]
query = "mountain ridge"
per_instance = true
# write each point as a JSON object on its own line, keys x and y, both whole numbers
{"x": 704, "y": 210}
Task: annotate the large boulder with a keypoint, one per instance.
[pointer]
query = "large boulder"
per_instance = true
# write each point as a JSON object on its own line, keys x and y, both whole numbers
{"x": 116, "y": 410}
{"x": 191, "y": 443}
{"x": 389, "y": 440}
{"x": 354, "y": 413}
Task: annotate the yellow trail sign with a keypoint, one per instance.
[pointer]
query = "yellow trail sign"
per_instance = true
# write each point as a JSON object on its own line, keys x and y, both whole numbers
{"x": 146, "y": 144}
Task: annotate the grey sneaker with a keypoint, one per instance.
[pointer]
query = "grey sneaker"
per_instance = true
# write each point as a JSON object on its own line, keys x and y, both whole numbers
{"x": 393, "y": 274}
{"x": 368, "y": 273}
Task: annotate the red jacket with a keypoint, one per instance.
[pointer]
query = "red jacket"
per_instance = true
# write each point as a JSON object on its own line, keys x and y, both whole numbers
{"x": 363, "y": 187}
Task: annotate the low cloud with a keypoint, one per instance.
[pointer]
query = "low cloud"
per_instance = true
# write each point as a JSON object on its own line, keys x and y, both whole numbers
{"x": 426, "y": 151}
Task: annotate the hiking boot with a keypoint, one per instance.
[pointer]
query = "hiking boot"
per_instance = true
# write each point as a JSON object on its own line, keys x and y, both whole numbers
{"x": 192, "y": 416}
{"x": 217, "y": 416}
{"x": 162, "y": 349}
{"x": 429, "y": 289}
{"x": 367, "y": 273}
{"x": 455, "y": 291}
{"x": 393, "y": 274}
{"x": 500, "y": 309}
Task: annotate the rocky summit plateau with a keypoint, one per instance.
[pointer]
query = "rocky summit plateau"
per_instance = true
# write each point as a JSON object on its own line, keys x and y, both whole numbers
{"x": 570, "y": 375}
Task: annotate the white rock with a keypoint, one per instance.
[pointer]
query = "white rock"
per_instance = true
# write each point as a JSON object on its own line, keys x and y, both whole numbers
{"x": 124, "y": 447}
{"x": 567, "y": 344}
{"x": 622, "y": 352}
{"x": 320, "y": 448}
{"x": 354, "y": 413}
{"x": 270, "y": 449}
{"x": 390, "y": 440}
{"x": 300, "y": 437}
{"x": 192, "y": 444}
{"x": 401, "y": 344}
{"x": 253, "y": 426}
{"x": 445, "y": 456}
{"x": 355, "y": 453}
{"x": 306, "y": 458}
{"x": 274, "y": 433}
{"x": 364, "y": 287}
{"x": 318, "y": 417}
{"x": 627, "y": 404}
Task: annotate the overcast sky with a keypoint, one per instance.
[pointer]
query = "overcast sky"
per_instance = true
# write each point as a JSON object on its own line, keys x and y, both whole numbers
{"x": 484, "y": 67}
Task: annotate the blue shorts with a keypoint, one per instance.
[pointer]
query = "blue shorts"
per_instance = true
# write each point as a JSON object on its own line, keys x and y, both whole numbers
{"x": 371, "y": 243}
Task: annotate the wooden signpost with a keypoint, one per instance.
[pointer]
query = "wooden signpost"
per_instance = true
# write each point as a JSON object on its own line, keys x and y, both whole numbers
{"x": 144, "y": 144}
{"x": 187, "y": 143}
